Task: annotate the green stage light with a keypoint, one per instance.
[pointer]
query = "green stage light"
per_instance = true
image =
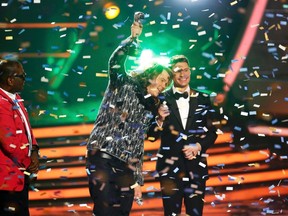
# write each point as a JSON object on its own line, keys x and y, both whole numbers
{"x": 163, "y": 60}
{"x": 146, "y": 59}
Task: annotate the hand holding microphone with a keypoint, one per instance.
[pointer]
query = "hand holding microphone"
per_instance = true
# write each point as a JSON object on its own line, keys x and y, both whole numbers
{"x": 138, "y": 195}
{"x": 136, "y": 28}
{"x": 139, "y": 201}
{"x": 163, "y": 112}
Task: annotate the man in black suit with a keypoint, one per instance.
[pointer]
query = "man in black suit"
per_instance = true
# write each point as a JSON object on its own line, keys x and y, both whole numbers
{"x": 184, "y": 124}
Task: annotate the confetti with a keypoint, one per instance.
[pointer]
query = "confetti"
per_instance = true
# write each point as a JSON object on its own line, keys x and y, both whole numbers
{"x": 194, "y": 23}
{"x": 201, "y": 33}
{"x": 233, "y": 3}
{"x": 9, "y": 38}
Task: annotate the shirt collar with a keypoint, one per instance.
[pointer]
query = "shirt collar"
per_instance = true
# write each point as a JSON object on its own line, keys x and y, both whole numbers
{"x": 186, "y": 90}
{"x": 9, "y": 94}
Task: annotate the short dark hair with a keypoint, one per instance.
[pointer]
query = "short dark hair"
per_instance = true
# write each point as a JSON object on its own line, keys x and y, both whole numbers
{"x": 7, "y": 68}
{"x": 178, "y": 58}
{"x": 151, "y": 73}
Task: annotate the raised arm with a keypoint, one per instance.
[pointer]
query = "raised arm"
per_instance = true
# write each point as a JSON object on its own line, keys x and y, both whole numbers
{"x": 117, "y": 60}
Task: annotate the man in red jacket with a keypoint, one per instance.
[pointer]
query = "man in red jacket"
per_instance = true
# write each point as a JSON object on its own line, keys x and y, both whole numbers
{"x": 18, "y": 148}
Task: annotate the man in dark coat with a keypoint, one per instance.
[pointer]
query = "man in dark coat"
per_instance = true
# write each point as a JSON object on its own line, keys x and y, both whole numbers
{"x": 184, "y": 124}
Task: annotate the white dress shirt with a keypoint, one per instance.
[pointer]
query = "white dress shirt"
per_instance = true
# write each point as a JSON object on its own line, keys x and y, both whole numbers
{"x": 183, "y": 106}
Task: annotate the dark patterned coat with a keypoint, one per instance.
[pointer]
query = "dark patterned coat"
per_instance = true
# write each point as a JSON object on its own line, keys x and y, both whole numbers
{"x": 123, "y": 117}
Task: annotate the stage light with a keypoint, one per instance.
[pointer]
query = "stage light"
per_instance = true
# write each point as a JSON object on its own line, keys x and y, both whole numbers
{"x": 147, "y": 59}
{"x": 163, "y": 60}
{"x": 111, "y": 10}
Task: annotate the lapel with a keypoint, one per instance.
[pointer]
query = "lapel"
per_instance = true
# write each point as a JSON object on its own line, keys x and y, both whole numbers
{"x": 193, "y": 103}
{"x": 171, "y": 103}
{"x": 4, "y": 95}
{"x": 21, "y": 106}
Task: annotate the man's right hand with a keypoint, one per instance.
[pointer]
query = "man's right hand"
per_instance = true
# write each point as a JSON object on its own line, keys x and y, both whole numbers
{"x": 136, "y": 29}
{"x": 163, "y": 112}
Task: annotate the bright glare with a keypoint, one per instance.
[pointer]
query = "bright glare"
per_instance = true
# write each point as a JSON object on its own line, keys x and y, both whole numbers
{"x": 163, "y": 60}
{"x": 147, "y": 59}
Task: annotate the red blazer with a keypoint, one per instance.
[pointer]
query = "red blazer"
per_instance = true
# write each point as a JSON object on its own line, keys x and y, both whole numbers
{"x": 14, "y": 146}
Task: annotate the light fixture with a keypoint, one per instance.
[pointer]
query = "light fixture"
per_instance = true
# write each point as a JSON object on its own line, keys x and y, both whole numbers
{"x": 111, "y": 10}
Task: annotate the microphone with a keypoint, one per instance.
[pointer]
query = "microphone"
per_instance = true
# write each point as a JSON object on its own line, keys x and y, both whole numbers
{"x": 138, "y": 17}
{"x": 165, "y": 104}
{"x": 139, "y": 201}
{"x": 165, "y": 109}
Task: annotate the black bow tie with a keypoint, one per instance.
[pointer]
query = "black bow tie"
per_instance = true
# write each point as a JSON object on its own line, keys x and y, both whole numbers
{"x": 178, "y": 95}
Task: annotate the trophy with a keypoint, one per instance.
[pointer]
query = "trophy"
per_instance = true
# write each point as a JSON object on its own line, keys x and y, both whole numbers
{"x": 135, "y": 49}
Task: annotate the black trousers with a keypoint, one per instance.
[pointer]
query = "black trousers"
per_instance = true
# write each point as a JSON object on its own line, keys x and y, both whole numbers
{"x": 15, "y": 203}
{"x": 179, "y": 186}
{"x": 174, "y": 191}
{"x": 109, "y": 185}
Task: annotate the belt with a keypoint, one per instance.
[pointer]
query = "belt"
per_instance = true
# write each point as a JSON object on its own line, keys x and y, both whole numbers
{"x": 105, "y": 155}
{"x": 110, "y": 157}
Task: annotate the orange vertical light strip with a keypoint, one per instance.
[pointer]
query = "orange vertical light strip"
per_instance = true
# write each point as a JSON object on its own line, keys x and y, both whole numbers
{"x": 240, "y": 178}
{"x": 41, "y": 55}
{"x": 244, "y": 178}
{"x": 59, "y": 193}
{"x": 234, "y": 195}
{"x": 58, "y": 173}
{"x": 249, "y": 167}
{"x": 60, "y": 152}
{"x": 225, "y": 159}
{"x": 238, "y": 157}
{"x": 268, "y": 130}
{"x": 246, "y": 41}
{"x": 70, "y": 151}
{"x": 221, "y": 179}
{"x": 42, "y": 25}
{"x": 85, "y": 129}
{"x": 151, "y": 207}
{"x": 62, "y": 131}
{"x": 245, "y": 157}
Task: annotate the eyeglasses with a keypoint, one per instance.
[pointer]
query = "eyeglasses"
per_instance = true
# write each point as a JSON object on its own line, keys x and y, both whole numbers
{"x": 22, "y": 76}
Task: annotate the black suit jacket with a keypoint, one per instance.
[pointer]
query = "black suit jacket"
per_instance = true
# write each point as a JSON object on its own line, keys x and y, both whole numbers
{"x": 199, "y": 128}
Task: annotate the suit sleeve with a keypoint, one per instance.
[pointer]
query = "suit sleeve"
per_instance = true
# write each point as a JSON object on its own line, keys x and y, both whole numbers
{"x": 210, "y": 135}
{"x": 117, "y": 60}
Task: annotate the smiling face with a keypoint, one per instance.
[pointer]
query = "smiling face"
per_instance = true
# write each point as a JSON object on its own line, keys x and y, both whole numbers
{"x": 181, "y": 75}
{"x": 158, "y": 84}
